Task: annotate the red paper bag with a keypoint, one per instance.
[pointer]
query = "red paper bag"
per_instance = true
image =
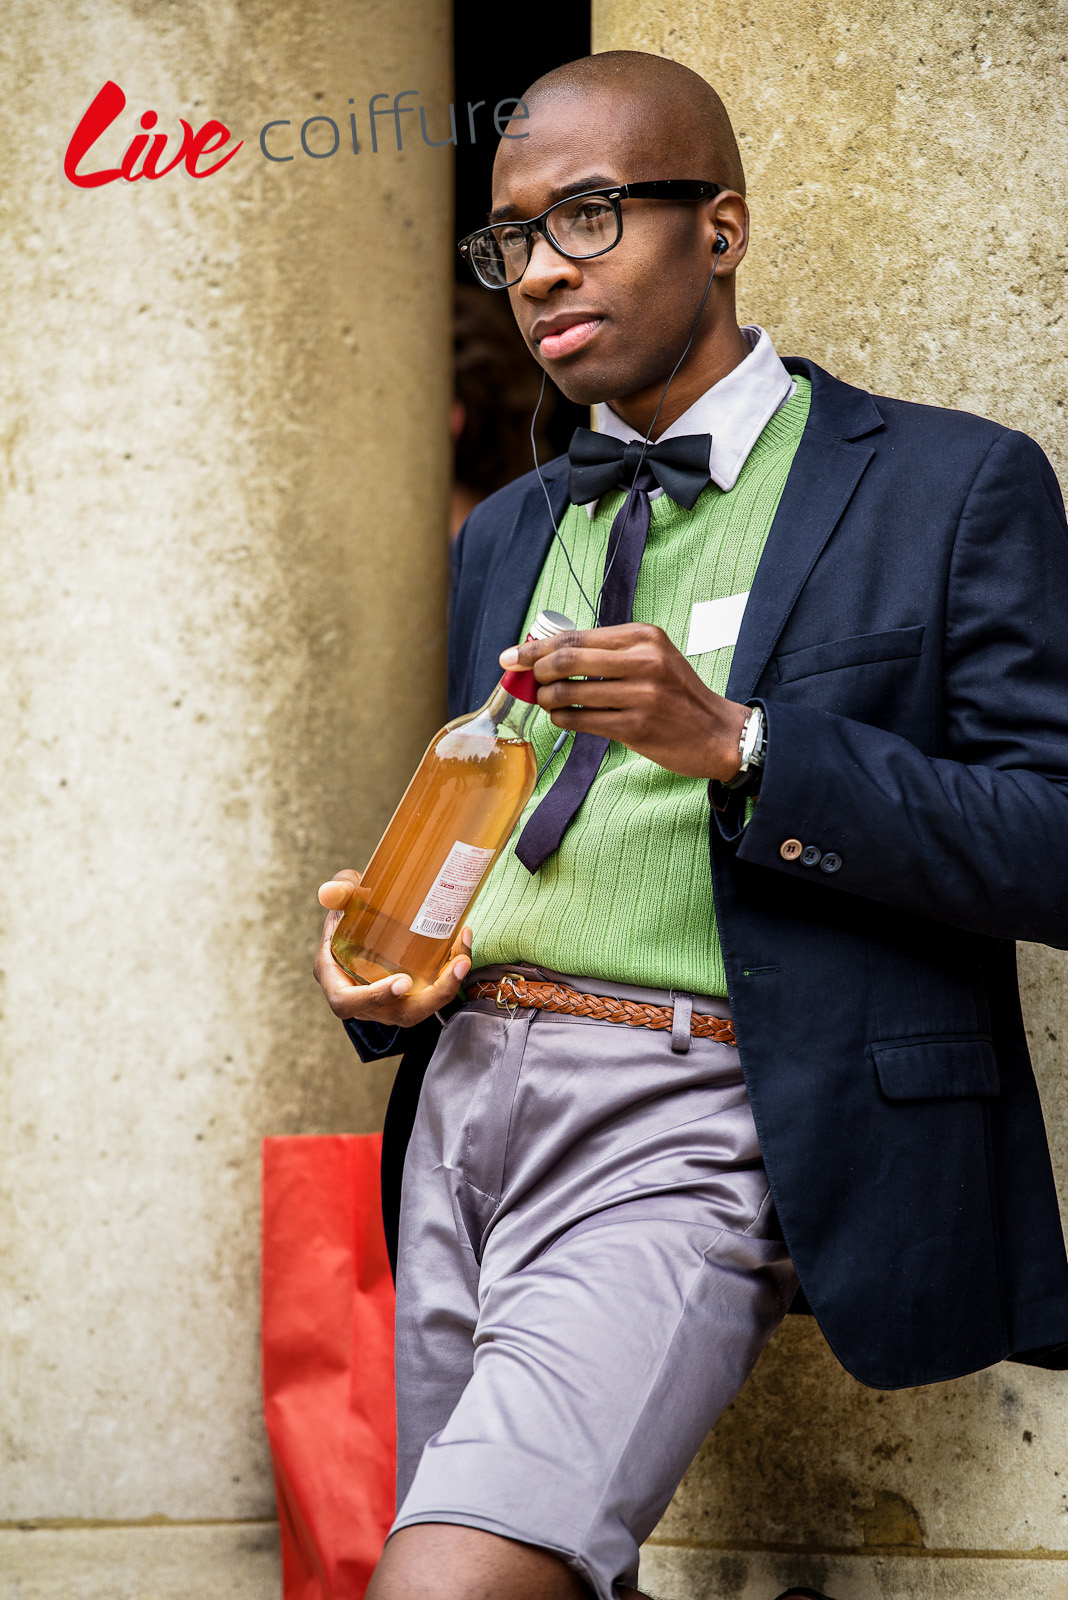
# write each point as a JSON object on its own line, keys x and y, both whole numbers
{"x": 328, "y": 1361}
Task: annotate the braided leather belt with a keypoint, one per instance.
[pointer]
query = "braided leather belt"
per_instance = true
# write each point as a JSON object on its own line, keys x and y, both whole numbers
{"x": 513, "y": 991}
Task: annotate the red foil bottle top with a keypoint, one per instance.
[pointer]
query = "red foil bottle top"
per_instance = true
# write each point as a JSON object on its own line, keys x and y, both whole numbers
{"x": 521, "y": 683}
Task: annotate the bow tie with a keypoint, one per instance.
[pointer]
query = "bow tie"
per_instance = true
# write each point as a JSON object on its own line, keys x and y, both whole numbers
{"x": 600, "y": 464}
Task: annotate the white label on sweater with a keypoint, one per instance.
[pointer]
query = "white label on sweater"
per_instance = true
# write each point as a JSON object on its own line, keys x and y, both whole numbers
{"x": 714, "y": 623}
{"x": 451, "y": 891}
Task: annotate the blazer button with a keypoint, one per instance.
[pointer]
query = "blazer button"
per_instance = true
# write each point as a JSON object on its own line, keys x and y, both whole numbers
{"x": 790, "y": 849}
{"x": 830, "y": 862}
{"x": 811, "y": 856}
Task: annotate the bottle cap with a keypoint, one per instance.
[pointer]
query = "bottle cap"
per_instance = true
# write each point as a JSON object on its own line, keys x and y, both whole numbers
{"x": 523, "y": 685}
{"x": 546, "y": 623}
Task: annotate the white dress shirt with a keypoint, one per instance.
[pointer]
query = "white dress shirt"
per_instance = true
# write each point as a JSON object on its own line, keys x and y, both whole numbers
{"x": 735, "y": 411}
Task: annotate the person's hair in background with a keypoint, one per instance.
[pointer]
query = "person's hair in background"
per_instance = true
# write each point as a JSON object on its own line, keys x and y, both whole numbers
{"x": 495, "y": 390}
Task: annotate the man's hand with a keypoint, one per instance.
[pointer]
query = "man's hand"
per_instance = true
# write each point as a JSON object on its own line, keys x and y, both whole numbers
{"x": 386, "y": 1001}
{"x": 634, "y": 686}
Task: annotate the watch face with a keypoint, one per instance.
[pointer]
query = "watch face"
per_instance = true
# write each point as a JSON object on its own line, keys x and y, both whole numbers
{"x": 751, "y": 745}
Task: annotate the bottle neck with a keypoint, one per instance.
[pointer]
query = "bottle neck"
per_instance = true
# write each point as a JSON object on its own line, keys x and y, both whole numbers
{"x": 511, "y": 715}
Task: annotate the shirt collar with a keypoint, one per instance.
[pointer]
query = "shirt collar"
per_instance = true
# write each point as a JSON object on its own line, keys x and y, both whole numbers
{"x": 735, "y": 411}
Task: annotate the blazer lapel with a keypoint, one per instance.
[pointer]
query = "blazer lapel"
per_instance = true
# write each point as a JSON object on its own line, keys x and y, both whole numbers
{"x": 825, "y": 471}
{"x": 514, "y": 574}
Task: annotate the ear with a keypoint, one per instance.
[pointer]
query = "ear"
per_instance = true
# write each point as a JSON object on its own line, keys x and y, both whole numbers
{"x": 726, "y": 215}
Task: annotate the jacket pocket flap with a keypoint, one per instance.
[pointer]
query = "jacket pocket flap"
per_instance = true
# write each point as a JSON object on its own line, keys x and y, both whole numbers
{"x": 857, "y": 651}
{"x": 936, "y": 1069}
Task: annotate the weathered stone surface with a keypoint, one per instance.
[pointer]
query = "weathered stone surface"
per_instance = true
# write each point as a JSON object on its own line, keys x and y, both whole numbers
{"x": 223, "y": 481}
{"x": 807, "y": 1456}
{"x": 236, "y": 1562}
{"x": 713, "y": 1575}
{"x": 908, "y": 182}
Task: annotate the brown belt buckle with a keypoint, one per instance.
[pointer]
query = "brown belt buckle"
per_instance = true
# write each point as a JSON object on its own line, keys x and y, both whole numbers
{"x": 509, "y": 980}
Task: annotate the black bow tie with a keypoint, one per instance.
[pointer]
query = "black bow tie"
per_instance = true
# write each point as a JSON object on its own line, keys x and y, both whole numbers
{"x": 600, "y": 464}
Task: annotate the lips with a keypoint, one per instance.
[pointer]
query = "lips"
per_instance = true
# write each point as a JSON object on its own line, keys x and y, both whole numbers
{"x": 565, "y": 335}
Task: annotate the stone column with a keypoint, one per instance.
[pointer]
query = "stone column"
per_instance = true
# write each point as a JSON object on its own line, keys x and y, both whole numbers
{"x": 224, "y": 486}
{"x": 908, "y": 180}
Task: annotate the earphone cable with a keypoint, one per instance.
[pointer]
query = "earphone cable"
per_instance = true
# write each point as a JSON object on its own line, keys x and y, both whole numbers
{"x": 594, "y": 610}
{"x": 548, "y": 502}
{"x": 649, "y": 433}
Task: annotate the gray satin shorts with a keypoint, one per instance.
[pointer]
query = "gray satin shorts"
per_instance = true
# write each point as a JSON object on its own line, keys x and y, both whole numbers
{"x": 587, "y": 1276}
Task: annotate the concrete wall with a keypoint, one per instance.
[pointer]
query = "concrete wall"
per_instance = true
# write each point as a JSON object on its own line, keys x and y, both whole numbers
{"x": 222, "y": 550}
{"x": 908, "y": 174}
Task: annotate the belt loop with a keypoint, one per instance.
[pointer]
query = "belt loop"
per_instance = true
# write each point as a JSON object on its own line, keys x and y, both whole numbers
{"x": 682, "y": 1011}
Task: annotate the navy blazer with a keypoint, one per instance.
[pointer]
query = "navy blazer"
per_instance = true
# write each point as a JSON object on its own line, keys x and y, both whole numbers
{"x": 906, "y": 635}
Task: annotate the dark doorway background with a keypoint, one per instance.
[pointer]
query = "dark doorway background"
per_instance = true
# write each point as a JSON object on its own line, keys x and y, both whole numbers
{"x": 496, "y": 59}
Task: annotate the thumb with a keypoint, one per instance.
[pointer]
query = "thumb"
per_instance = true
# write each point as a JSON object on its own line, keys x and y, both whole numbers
{"x": 337, "y": 891}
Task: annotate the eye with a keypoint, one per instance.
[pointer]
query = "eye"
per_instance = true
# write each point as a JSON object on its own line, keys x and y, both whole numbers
{"x": 591, "y": 211}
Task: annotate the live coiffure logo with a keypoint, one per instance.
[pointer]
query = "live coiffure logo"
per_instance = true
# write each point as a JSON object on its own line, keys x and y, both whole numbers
{"x": 199, "y": 153}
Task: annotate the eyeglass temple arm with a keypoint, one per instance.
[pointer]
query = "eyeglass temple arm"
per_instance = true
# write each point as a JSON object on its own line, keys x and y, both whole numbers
{"x": 667, "y": 188}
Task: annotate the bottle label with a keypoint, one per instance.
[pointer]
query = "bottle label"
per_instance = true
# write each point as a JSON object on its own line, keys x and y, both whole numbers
{"x": 453, "y": 887}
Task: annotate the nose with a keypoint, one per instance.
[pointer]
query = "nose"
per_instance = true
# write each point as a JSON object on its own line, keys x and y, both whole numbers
{"x": 547, "y": 270}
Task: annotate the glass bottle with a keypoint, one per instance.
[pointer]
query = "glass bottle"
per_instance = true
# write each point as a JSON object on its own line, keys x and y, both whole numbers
{"x": 452, "y": 823}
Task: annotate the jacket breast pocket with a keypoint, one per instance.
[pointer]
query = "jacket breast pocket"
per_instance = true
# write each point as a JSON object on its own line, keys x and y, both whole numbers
{"x": 859, "y": 651}
{"x": 940, "y": 1067}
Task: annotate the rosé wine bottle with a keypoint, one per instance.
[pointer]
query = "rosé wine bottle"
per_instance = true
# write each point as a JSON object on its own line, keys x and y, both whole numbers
{"x": 453, "y": 821}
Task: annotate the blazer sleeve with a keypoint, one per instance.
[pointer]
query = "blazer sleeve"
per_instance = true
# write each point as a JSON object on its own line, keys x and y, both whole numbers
{"x": 373, "y": 1041}
{"x": 977, "y": 835}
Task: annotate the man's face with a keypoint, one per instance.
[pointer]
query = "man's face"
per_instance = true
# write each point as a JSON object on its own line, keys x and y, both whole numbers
{"x": 614, "y": 325}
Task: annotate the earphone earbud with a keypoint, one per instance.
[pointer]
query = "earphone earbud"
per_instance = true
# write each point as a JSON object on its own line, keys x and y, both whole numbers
{"x": 721, "y": 244}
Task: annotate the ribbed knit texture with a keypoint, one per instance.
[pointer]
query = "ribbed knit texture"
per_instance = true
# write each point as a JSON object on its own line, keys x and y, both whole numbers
{"x": 628, "y": 895}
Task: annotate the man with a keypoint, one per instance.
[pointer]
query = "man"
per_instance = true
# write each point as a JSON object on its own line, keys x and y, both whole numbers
{"x": 603, "y": 1224}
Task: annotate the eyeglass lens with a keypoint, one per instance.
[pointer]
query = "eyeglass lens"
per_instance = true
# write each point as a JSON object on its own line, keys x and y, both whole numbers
{"x": 582, "y": 227}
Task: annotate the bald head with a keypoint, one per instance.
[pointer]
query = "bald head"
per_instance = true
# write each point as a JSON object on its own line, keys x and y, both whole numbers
{"x": 614, "y": 324}
{"x": 674, "y": 118}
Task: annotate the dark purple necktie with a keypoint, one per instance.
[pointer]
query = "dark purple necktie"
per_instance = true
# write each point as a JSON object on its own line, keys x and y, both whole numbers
{"x": 600, "y": 463}
{"x": 626, "y": 545}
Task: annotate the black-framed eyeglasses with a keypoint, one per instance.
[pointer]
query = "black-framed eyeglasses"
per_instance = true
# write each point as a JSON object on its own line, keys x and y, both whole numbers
{"x": 580, "y": 227}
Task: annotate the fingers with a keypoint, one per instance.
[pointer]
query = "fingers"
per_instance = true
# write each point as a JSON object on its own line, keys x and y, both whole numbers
{"x": 406, "y": 1011}
{"x": 383, "y": 1001}
{"x": 336, "y": 893}
{"x": 621, "y": 637}
{"x": 622, "y": 726}
{"x": 639, "y": 653}
{"x": 569, "y": 662}
{"x": 389, "y": 1001}
{"x": 605, "y": 694}
{"x": 447, "y": 986}
{"x": 346, "y": 996}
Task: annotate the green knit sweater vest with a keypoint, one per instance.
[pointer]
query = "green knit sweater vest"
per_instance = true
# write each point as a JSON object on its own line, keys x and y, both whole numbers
{"x": 628, "y": 895}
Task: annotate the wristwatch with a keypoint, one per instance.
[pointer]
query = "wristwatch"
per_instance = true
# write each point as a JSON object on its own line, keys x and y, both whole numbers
{"x": 752, "y": 749}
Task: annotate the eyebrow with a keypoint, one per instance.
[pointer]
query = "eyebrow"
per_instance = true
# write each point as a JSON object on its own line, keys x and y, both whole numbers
{"x": 596, "y": 180}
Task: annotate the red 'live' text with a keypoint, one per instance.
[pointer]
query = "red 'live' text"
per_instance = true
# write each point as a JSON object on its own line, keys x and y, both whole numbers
{"x": 146, "y": 147}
